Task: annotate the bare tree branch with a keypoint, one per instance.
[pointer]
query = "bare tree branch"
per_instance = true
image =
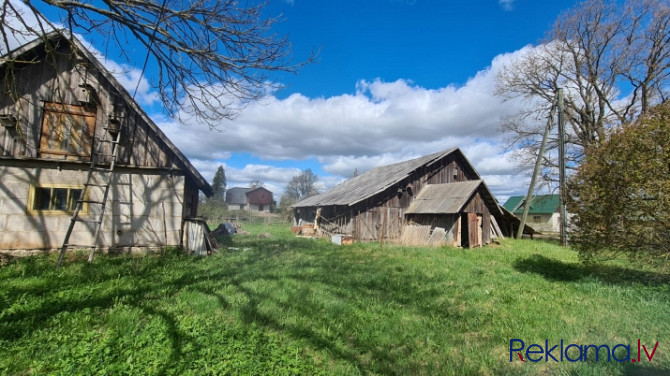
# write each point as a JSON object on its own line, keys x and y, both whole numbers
{"x": 612, "y": 59}
{"x": 211, "y": 57}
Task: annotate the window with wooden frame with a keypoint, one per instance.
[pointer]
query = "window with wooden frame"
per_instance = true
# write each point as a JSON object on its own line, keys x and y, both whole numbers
{"x": 67, "y": 130}
{"x": 55, "y": 199}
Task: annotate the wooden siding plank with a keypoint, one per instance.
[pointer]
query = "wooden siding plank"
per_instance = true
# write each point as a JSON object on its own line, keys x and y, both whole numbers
{"x": 473, "y": 230}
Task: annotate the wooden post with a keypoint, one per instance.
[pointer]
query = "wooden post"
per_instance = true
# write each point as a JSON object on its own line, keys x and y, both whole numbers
{"x": 383, "y": 227}
{"x": 561, "y": 170}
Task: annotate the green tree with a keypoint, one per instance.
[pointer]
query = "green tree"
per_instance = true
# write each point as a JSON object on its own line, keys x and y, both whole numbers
{"x": 214, "y": 208}
{"x": 301, "y": 186}
{"x": 218, "y": 186}
{"x": 621, "y": 193}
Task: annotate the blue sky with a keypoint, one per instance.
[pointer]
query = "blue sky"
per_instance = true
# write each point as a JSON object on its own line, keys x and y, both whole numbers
{"x": 394, "y": 80}
{"x": 433, "y": 43}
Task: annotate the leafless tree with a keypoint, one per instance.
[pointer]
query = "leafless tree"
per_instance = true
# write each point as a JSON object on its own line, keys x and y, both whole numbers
{"x": 211, "y": 57}
{"x": 613, "y": 61}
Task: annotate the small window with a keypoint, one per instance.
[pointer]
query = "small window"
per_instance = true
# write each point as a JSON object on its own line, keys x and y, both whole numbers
{"x": 55, "y": 199}
{"x": 67, "y": 130}
{"x": 537, "y": 218}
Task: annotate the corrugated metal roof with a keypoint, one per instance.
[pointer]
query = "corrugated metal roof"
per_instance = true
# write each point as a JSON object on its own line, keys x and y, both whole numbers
{"x": 541, "y": 204}
{"x": 372, "y": 182}
{"x": 448, "y": 198}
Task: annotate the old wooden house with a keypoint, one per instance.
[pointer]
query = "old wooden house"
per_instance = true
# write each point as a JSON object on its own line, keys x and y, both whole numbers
{"x": 253, "y": 199}
{"x": 57, "y": 104}
{"x": 436, "y": 199}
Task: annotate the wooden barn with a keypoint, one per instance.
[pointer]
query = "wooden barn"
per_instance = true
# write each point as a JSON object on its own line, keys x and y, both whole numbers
{"x": 254, "y": 199}
{"x": 437, "y": 199}
{"x": 75, "y": 148}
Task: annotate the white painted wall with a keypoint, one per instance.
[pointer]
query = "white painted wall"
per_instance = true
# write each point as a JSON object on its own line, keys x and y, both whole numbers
{"x": 142, "y": 207}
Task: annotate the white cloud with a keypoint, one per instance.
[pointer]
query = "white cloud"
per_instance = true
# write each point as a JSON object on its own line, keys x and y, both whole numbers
{"x": 271, "y": 177}
{"x": 20, "y": 25}
{"x": 506, "y": 4}
{"x": 129, "y": 77}
{"x": 381, "y": 123}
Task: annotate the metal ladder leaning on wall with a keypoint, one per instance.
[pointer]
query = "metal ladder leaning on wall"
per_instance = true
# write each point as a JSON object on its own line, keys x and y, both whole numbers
{"x": 106, "y": 173}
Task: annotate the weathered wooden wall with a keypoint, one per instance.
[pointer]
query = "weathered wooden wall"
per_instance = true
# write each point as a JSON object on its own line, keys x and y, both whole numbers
{"x": 259, "y": 196}
{"x": 59, "y": 79}
{"x": 383, "y": 215}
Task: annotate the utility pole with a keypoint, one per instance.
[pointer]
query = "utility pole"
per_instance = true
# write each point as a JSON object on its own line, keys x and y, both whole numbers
{"x": 561, "y": 170}
{"x": 536, "y": 171}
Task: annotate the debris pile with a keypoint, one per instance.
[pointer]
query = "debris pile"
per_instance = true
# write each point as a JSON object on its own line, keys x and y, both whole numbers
{"x": 225, "y": 228}
{"x": 305, "y": 229}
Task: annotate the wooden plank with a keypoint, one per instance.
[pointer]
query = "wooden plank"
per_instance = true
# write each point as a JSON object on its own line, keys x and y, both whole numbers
{"x": 473, "y": 236}
{"x": 457, "y": 232}
{"x": 195, "y": 239}
{"x": 438, "y": 237}
{"x": 415, "y": 235}
{"x": 486, "y": 227}
{"x": 496, "y": 229}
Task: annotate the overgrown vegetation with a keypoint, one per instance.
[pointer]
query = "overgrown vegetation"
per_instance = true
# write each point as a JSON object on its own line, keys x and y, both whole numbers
{"x": 286, "y": 305}
{"x": 622, "y": 193}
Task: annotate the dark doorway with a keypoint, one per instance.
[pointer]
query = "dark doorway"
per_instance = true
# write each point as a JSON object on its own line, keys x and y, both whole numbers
{"x": 465, "y": 231}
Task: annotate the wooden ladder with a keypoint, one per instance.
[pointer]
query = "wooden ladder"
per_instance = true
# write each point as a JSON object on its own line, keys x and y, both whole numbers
{"x": 106, "y": 173}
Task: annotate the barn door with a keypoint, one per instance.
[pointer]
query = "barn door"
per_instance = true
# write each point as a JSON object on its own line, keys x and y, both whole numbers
{"x": 473, "y": 230}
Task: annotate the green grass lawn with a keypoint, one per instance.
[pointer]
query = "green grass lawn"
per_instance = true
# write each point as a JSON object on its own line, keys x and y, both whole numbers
{"x": 285, "y": 305}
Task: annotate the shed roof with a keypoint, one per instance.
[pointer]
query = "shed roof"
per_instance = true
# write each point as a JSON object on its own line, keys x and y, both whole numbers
{"x": 58, "y": 36}
{"x": 374, "y": 181}
{"x": 446, "y": 198}
{"x": 541, "y": 204}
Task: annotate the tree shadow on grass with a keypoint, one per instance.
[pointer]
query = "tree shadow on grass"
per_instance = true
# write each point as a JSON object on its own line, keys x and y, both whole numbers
{"x": 28, "y": 308}
{"x": 556, "y": 270}
{"x": 637, "y": 370}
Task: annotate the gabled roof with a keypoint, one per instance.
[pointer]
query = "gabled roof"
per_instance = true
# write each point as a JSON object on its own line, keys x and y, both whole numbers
{"x": 237, "y": 195}
{"x": 541, "y": 204}
{"x": 58, "y": 36}
{"x": 375, "y": 181}
{"x": 446, "y": 198}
